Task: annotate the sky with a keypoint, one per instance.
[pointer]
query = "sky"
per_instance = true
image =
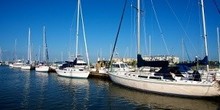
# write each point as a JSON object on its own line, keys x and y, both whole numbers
{"x": 168, "y": 23}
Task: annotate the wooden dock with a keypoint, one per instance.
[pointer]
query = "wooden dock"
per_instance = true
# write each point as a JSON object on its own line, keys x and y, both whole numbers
{"x": 99, "y": 75}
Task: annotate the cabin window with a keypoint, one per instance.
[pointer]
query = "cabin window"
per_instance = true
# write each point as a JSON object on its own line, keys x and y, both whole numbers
{"x": 143, "y": 76}
{"x": 115, "y": 66}
{"x": 153, "y": 77}
{"x": 81, "y": 64}
{"x": 122, "y": 65}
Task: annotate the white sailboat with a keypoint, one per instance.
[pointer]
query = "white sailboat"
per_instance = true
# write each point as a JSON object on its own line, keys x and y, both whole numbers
{"x": 17, "y": 62}
{"x": 43, "y": 67}
{"x": 159, "y": 84}
{"x": 28, "y": 65}
{"x": 216, "y": 71}
{"x": 79, "y": 69}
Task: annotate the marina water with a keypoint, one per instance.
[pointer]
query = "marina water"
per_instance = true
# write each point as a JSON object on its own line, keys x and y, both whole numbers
{"x": 32, "y": 90}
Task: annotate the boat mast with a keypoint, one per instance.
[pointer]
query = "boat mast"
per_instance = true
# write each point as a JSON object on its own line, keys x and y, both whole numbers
{"x": 204, "y": 32}
{"x": 218, "y": 46}
{"x": 39, "y": 54}
{"x": 150, "y": 45}
{"x": 44, "y": 46}
{"x": 45, "y": 50}
{"x": 77, "y": 28}
{"x": 182, "y": 50}
{"x": 0, "y": 54}
{"x": 15, "y": 49}
{"x": 29, "y": 46}
{"x": 138, "y": 27}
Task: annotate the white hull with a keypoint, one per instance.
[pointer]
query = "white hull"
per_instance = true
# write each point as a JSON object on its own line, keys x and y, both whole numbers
{"x": 11, "y": 65}
{"x": 17, "y": 65}
{"x": 73, "y": 72}
{"x": 103, "y": 71}
{"x": 42, "y": 68}
{"x": 26, "y": 67}
{"x": 180, "y": 88}
{"x": 53, "y": 67}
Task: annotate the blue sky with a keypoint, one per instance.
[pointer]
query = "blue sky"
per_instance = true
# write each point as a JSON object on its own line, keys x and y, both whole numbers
{"x": 101, "y": 19}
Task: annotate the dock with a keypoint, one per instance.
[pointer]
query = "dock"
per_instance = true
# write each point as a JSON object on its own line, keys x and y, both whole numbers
{"x": 99, "y": 75}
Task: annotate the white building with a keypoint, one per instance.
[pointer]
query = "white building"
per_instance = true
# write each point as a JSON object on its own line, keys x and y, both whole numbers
{"x": 171, "y": 59}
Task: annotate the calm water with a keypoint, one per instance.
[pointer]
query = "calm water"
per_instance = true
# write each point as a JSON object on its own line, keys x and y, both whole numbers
{"x": 31, "y": 90}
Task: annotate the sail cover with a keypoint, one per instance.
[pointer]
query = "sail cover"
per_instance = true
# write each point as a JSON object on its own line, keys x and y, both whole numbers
{"x": 141, "y": 62}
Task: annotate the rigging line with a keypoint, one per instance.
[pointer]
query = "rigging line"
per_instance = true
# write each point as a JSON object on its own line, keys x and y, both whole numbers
{"x": 144, "y": 28}
{"x": 187, "y": 25}
{"x": 145, "y": 33}
{"x": 126, "y": 53}
{"x": 216, "y": 5}
{"x": 69, "y": 48}
{"x": 185, "y": 13}
{"x": 189, "y": 17}
{"x": 181, "y": 26}
{"x": 84, "y": 36}
{"x": 161, "y": 33}
{"x": 187, "y": 53}
{"x": 134, "y": 27}
{"x": 188, "y": 21}
{"x": 182, "y": 52}
{"x": 72, "y": 22}
{"x": 187, "y": 7}
{"x": 70, "y": 37}
{"x": 119, "y": 28}
{"x": 145, "y": 42}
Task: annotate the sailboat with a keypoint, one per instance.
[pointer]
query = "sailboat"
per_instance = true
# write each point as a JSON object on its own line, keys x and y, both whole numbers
{"x": 17, "y": 62}
{"x": 78, "y": 68}
{"x": 167, "y": 80}
{"x": 214, "y": 72}
{"x": 28, "y": 65}
{"x": 43, "y": 66}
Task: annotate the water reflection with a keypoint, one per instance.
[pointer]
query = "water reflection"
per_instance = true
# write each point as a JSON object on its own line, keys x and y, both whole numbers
{"x": 36, "y": 90}
{"x": 41, "y": 74}
{"x": 73, "y": 82}
{"x": 79, "y": 89}
{"x": 153, "y": 101}
{"x": 41, "y": 83}
{"x": 26, "y": 89}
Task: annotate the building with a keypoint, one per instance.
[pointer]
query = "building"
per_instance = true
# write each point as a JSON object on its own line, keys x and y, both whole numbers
{"x": 172, "y": 59}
